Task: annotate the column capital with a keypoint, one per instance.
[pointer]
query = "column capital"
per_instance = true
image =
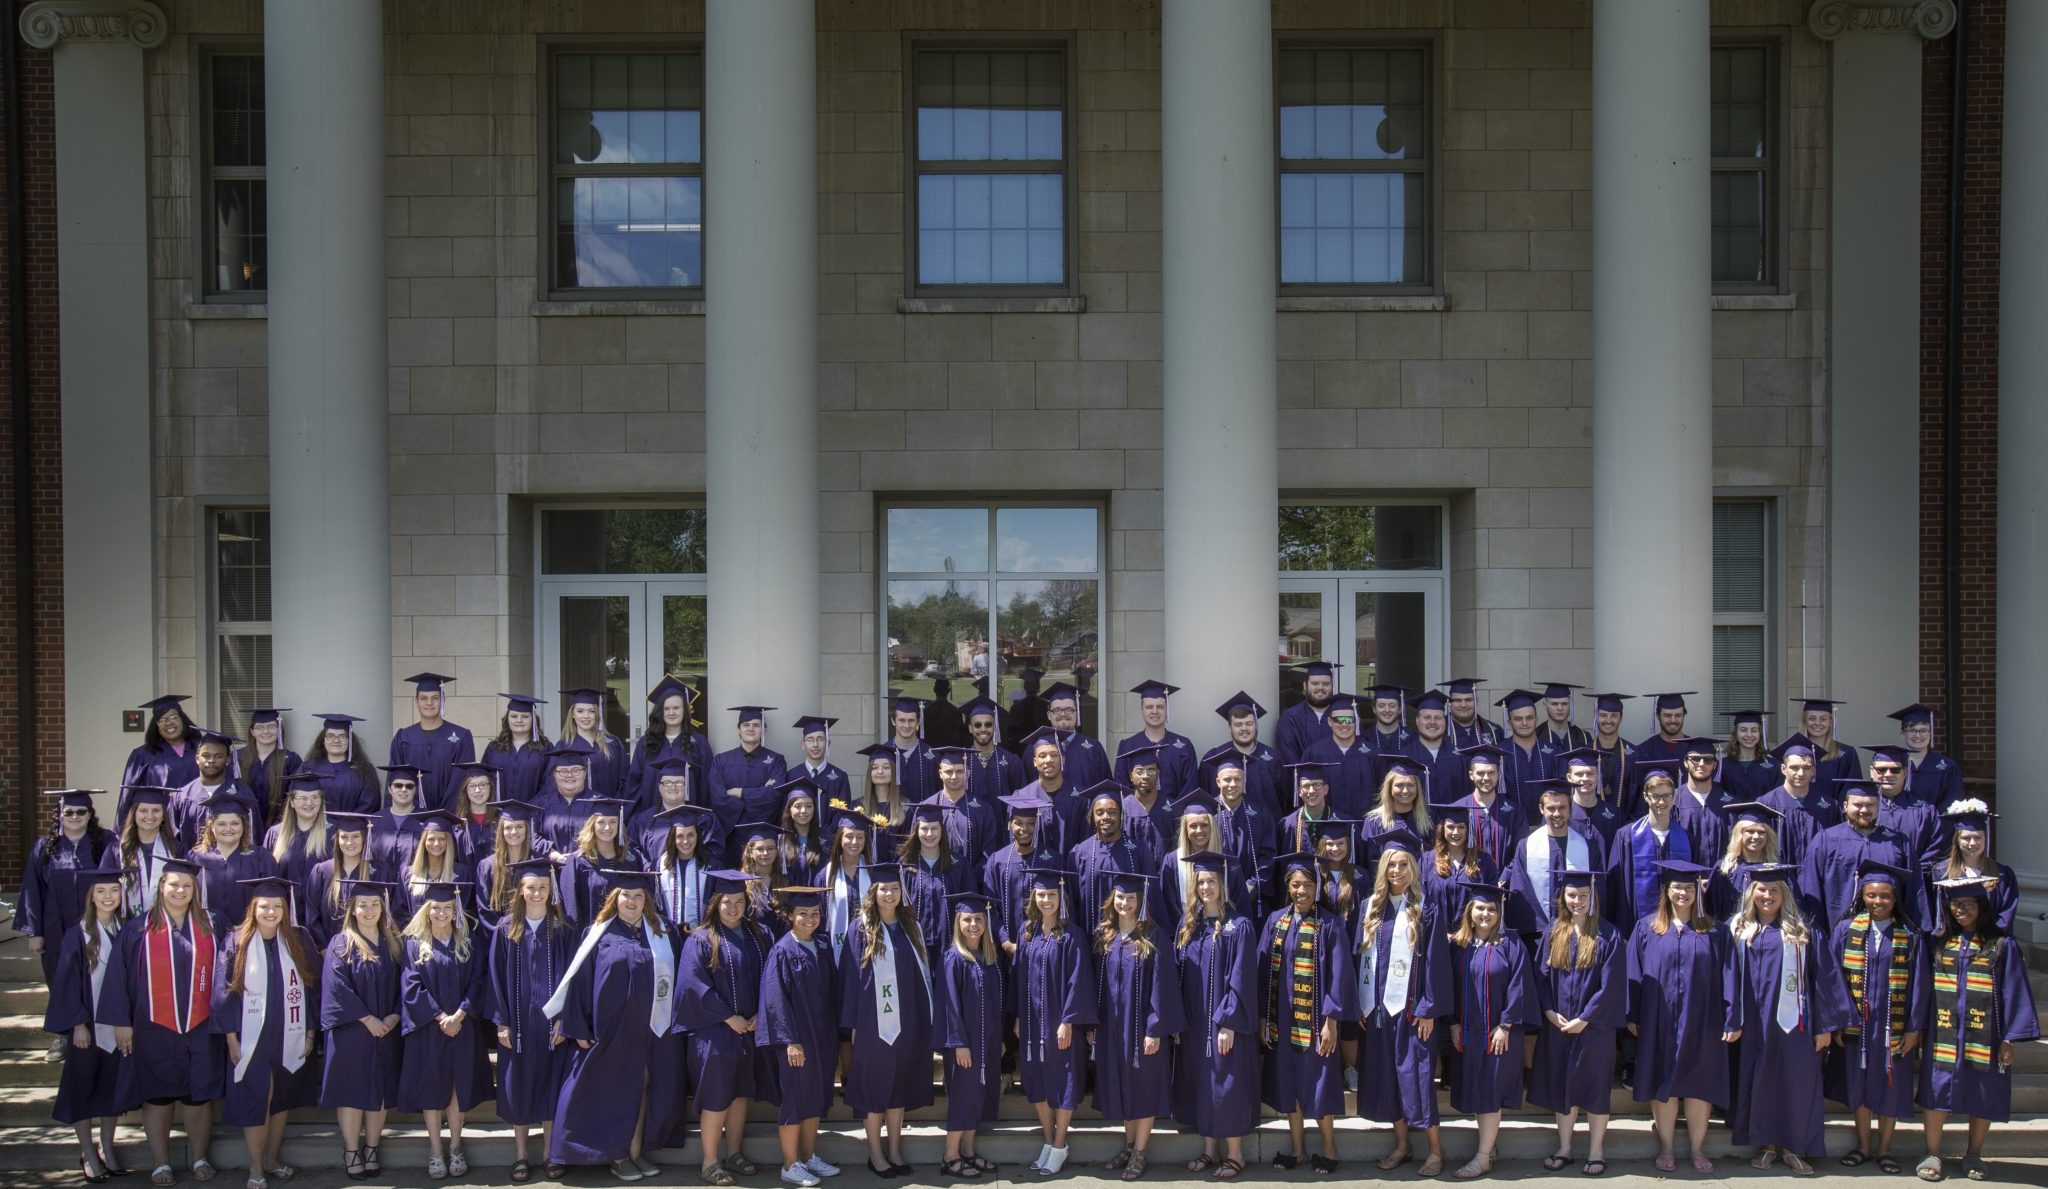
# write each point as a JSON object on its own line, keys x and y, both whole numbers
{"x": 1931, "y": 19}
{"x": 47, "y": 22}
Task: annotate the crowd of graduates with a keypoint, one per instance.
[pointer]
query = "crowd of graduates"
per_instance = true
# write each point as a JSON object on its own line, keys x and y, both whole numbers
{"x": 1395, "y": 896}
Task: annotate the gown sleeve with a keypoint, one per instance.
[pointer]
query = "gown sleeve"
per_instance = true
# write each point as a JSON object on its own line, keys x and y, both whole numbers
{"x": 226, "y": 1016}
{"x": 1832, "y": 1011}
{"x": 114, "y": 1007}
{"x": 700, "y": 1001}
{"x": 1608, "y": 1005}
{"x": 1520, "y": 1009}
{"x": 1237, "y": 951}
{"x": 849, "y": 978}
{"x": 339, "y": 1001}
{"x": 70, "y": 988}
{"x": 1166, "y": 1016}
{"x": 1340, "y": 980}
{"x": 28, "y": 911}
{"x": 1436, "y": 997}
{"x": 579, "y": 1006}
{"x": 476, "y": 985}
{"x": 1079, "y": 1004}
{"x": 2016, "y": 995}
{"x": 416, "y": 1008}
{"x": 949, "y": 1014}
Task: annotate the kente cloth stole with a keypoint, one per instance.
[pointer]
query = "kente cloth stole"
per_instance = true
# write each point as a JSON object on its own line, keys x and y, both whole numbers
{"x": 1965, "y": 1000}
{"x": 1853, "y": 962}
{"x": 1298, "y": 968}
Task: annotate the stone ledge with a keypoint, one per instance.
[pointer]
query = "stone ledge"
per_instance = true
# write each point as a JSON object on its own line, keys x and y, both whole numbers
{"x": 1755, "y": 301}
{"x": 1365, "y": 303}
{"x": 628, "y": 308}
{"x": 992, "y": 305}
{"x": 224, "y": 309}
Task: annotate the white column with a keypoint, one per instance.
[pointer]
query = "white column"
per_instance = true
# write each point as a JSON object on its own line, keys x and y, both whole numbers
{"x": 1652, "y": 410}
{"x": 761, "y": 359}
{"x": 110, "y": 611}
{"x": 2022, "y": 832}
{"x": 1222, "y": 470}
{"x": 330, "y": 467}
{"x": 1873, "y": 365}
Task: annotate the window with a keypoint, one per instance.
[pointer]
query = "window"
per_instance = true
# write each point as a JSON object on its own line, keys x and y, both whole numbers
{"x": 1743, "y": 580}
{"x": 1028, "y": 579}
{"x": 1744, "y": 145}
{"x": 990, "y": 168}
{"x": 241, "y": 614}
{"x": 235, "y": 231}
{"x": 1354, "y": 166}
{"x": 626, "y": 159}
{"x": 1363, "y": 584}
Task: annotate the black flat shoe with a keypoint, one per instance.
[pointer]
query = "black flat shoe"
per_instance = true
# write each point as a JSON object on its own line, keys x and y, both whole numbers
{"x": 902, "y": 1170}
{"x": 85, "y": 1169}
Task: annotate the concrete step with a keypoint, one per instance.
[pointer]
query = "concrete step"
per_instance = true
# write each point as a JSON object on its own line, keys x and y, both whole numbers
{"x": 317, "y": 1146}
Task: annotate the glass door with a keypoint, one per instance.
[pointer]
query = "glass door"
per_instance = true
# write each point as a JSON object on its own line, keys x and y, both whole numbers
{"x": 590, "y": 637}
{"x": 1382, "y": 629}
{"x": 677, "y": 636}
{"x": 1306, "y": 634}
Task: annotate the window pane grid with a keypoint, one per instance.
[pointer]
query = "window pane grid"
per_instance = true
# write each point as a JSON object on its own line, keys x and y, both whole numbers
{"x": 241, "y": 613}
{"x": 1743, "y": 218}
{"x": 989, "y": 144}
{"x": 1742, "y": 580}
{"x": 235, "y": 237}
{"x": 1354, "y": 181}
{"x": 627, "y": 155}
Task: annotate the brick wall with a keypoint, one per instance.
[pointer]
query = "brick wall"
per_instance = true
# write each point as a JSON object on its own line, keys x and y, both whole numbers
{"x": 1983, "y": 129}
{"x": 20, "y": 791}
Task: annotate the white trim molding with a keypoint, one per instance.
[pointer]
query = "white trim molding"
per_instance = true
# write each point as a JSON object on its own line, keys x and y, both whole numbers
{"x": 47, "y": 22}
{"x": 1931, "y": 19}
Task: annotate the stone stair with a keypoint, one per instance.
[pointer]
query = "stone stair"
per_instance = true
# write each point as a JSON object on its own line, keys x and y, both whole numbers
{"x": 28, "y": 1083}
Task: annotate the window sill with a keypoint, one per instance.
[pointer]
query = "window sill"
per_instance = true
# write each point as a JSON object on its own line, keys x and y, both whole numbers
{"x": 628, "y": 308}
{"x": 1365, "y": 303}
{"x": 225, "y": 309}
{"x": 1756, "y": 301}
{"x": 991, "y": 305}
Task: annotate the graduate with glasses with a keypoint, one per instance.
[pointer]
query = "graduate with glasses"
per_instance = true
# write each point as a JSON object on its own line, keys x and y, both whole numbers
{"x": 1981, "y": 1003}
{"x": 52, "y": 900}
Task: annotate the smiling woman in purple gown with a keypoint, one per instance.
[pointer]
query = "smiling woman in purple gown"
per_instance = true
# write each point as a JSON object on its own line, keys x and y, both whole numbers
{"x": 1496, "y": 990}
{"x": 1138, "y": 1009}
{"x": 799, "y": 1026}
{"x": 264, "y": 1007}
{"x": 1307, "y": 987}
{"x": 617, "y": 1002}
{"x": 718, "y": 1002}
{"x": 967, "y": 992}
{"x": 529, "y": 951}
{"x": 1873, "y": 1071}
{"x": 1785, "y": 1003}
{"x": 1216, "y": 1069}
{"x": 87, "y": 1090}
{"x": 1404, "y": 982}
{"x": 885, "y": 998}
{"x": 359, "y": 1012}
{"x": 1675, "y": 959}
{"x": 1055, "y": 988}
{"x": 1582, "y": 987}
{"x": 1972, "y": 1028}
{"x": 441, "y": 991}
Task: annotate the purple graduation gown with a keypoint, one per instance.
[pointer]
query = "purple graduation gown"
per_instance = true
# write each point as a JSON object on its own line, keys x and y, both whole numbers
{"x": 1577, "y": 1072}
{"x": 724, "y": 1065}
{"x": 297, "y": 862}
{"x": 437, "y": 1067}
{"x": 344, "y": 788}
{"x": 1676, "y": 1001}
{"x": 51, "y": 902}
{"x": 1136, "y": 998}
{"x": 1827, "y": 879}
{"x": 926, "y": 889}
{"x": 160, "y": 766}
{"x": 186, "y": 814}
{"x": 1983, "y": 1093}
{"x": 521, "y": 975}
{"x": 1214, "y": 1093}
{"x": 1776, "y": 1093}
{"x": 970, "y": 1009}
{"x": 2005, "y": 898}
{"x": 609, "y": 1004}
{"x": 1095, "y": 862}
{"x": 1445, "y": 895}
{"x": 1495, "y": 986}
{"x": 435, "y": 753}
{"x": 997, "y": 775}
{"x": 1396, "y": 1068}
{"x": 1801, "y": 819}
{"x": 485, "y": 878}
{"x": 1297, "y": 1078}
{"x": 1495, "y": 828}
{"x": 89, "y": 1087}
{"x": 1055, "y": 976}
{"x": 1178, "y": 760}
{"x": 188, "y": 1065}
{"x": 883, "y": 1076}
{"x": 1527, "y": 914}
{"x": 1247, "y": 834}
{"x": 266, "y": 1086}
{"x": 320, "y": 915}
{"x": 360, "y": 1070}
{"x": 642, "y": 784}
{"x": 1860, "y": 1071}
{"x": 520, "y": 769}
{"x": 1632, "y": 857}
{"x": 1705, "y": 824}
{"x": 221, "y": 888}
{"x": 1352, "y": 788}
{"x": 799, "y": 1006}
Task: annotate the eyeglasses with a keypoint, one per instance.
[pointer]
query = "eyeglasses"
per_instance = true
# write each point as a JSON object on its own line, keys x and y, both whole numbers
{"x": 78, "y": 813}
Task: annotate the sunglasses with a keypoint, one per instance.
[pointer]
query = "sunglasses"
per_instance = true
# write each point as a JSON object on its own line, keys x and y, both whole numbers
{"x": 78, "y": 813}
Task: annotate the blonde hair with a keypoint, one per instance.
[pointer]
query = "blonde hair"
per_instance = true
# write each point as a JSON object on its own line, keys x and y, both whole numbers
{"x": 1734, "y": 854}
{"x": 359, "y": 946}
{"x": 319, "y": 844}
{"x": 1191, "y": 910}
{"x": 419, "y": 871}
{"x": 1566, "y": 952}
{"x": 1463, "y": 936}
{"x": 872, "y": 930}
{"x": 1745, "y": 925}
{"x": 1384, "y": 813}
{"x": 160, "y": 917}
{"x": 364, "y": 864}
{"x": 420, "y": 930}
{"x": 514, "y": 923}
{"x": 987, "y": 954}
{"x": 502, "y": 860}
{"x": 1383, "y": 894}
{"x": 1107, "y": 930}
{"x": 586, "y": 840}
{"x": 1662, "y": 920}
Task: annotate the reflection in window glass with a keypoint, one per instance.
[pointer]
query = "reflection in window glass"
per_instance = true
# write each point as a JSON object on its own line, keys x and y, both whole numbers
{"x": 938, "y": 540}
{"x": 242, "y": 577}
{"x": 622, "y": 541}
{"x": 1053, "y": 626}
{"x": 1046, "y": 540}
{"x": 628, "y": 152}
{"x": 936, "y": 628}
{"x": 1741, "y": 127}
{"x": 1322, "y": 537}
{"x": 238, "y": 233}
{"x": 990, "y": 132}
{"x": 1353, "y": 160}
{"x": 1391, "y": 631}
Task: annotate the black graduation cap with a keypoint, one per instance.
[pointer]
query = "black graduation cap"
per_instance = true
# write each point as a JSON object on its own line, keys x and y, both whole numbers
{"x": 428, "y": 683}
{"x": 1739, "y": 717}
{"x": 521, "y": 703}
{"x": 1240, "y": 703}
{"x": 670, "y": 685}
{"x": 749, "y": 713}
{"x": 1674, "y": 700}
{"x": 263, "y": 714}
{"x": 1609, "y": 703}
{"x": 1515, "y": 699}
{"x": 1152, "y": 687}
{"x": 1547, "y": 784}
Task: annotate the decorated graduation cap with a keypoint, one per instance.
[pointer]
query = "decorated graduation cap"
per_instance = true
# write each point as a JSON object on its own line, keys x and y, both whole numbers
{"x": 749, "y": 713}
{"x": 1559, "y": 690}
{"x": 1856, "y": 786}
{"x": 1968, "y": 814}
{"x": 1752, "y": 811}
{"x": 1318, "y": 668}
{"x": 268, "y": 885}
{"x": 1966, "y": 889}
{"x": 1915, "y": 715}
{"x": 669, "y": 686}
{"x": 1818, "y": 705}
{"x": 1042, "y": 737}
{"x": 1240, "y": 703}
{"x": 1399, "y": 838}
{"x": 1681, "y": 871}
{"x": 1430, "y": 699}
{"x": 1517, "y": 699}
{"x": 1483, "y": 753}
{"x": 1609, "y": 703}
{"x": 1873, "y": 871}
{"x": 71, "y": 798}
{"x": 429, "y": 683}
{"x": 1673, "y": 700}
{"x": 263, "y": 714}
{"x": 583, "y": 695}
{"x": 521, "y": 703}
{"x": 794, "y": 897}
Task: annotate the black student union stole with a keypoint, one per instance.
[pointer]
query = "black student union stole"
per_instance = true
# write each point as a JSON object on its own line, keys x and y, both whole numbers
{"x": 1965, "y": 1004}
{"x": 1295, "y": 968}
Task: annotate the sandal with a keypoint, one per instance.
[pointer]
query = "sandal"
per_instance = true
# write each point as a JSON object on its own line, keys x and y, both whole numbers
{"x": 1765, "y": 1160}
{"x": 283, "y": 1172}
{"x": 1553, "y": 1163}
{"x": 371, "y": 1163}
{"x": 1854, "y": 1158}
{"x": 1202, "y": 1163}
{"x": 1703, "y": 1166}
{"x": 977, "y": 1160}
{"x": 255, "y": 1183}
{"x": 1667, "y": 1163}
{"x": 1798, "y": 1165}
{"x": 1392, "y": 1160}
{"x": 162, "y": 1175}
{"x": 1928, "y": 1169}
{"x": 202, "y": 1170}
{"x": 1975, "y": 1167}
{"x": 1227, "y": 1170}
{"x": 352, "y": 1163}
{"x": 1122, "y": 1157}
{"x": 555, "y": 1172}
{"x": 458, "y": 1164}
{"x": 958, "y": 1167}
{"x": 739, "y": 1165}
{"x": 437, "y": 1167}
{"x": 1480, "y": 1164}
{"x": 712, "y": 1174}
{"x": 1431, "y": 1166}
{"x": 1284, "y": 1161}
{"x": 1136, "y": 1168}
{"x": 521, "y": 1173}
{"x": 1322, "y": 1166}
{"x": 1889, "y": 1165}
{"x": 1593, "y": 1168}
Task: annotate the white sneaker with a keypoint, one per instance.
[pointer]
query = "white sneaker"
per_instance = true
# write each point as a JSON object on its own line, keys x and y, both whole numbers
{"x": 819, "y": 1165}
{"x": 1044, "y": 1154}
{"x": 1055, "y": 1160}
{"x": 798, "y": 1174}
